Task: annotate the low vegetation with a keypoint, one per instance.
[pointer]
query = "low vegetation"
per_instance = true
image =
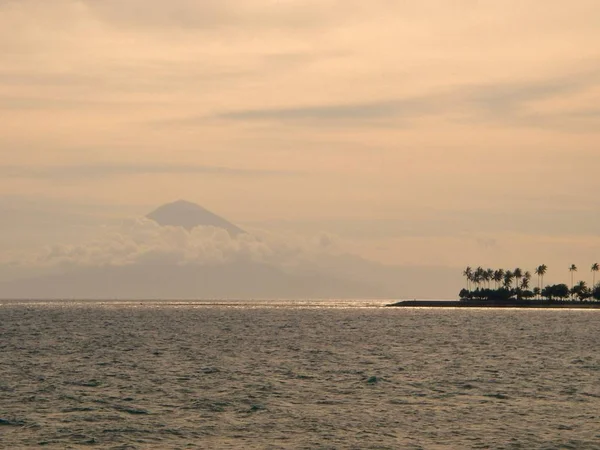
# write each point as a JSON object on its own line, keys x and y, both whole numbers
{"x": 499, "y": 285}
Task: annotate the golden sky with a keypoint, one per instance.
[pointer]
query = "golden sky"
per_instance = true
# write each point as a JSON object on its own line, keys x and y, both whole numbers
{"x": 421, "y": 132}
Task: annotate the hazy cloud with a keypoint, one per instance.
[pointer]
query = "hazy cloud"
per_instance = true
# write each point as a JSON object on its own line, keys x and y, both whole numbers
{"x": 461, "y": 224}
{"x": 505, "y": 103}
{"x": 211, "y": 15}
{"x": 84, "y": 171}
{"x": 143, "y": 241}
{"x": 338, "y": 113}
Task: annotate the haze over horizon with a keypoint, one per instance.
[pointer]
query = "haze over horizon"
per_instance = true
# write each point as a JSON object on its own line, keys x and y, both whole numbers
{"x": 420, "y": 135}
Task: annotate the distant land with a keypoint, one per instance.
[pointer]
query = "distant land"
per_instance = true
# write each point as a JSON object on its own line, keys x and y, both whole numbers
{"x": 484, "y": 304}
{"x": 329, "y": 275}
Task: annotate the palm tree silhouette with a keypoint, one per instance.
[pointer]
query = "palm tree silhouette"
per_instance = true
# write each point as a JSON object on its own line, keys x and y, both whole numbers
{"x": 478, "y": 276}
{"x": 498, "y": 276}
{"x": 508, "y": 277}
{"x": 595, "y": 268}
{"x": 468, "y": 273}
{"x": 572, "y": 269}
{"x": 544, "y": 268}
{"x": 487, "y": 276}
{"x": 518, "y": 274}
{"x": 540, "y": 271}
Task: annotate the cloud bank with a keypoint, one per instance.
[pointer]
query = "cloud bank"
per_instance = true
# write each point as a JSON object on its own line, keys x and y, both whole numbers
{"x": 103, "y": 170}
{"x": 141, "y": 241}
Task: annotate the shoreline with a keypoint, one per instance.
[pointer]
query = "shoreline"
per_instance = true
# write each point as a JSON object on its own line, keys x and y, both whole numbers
{"x": 535, "y": 304}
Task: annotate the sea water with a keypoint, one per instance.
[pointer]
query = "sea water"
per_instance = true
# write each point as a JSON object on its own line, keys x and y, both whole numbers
{"x": 314, "y": 375}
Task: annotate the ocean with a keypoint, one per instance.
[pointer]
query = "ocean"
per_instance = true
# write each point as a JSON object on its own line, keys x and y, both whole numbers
{"x": 296, "y": 375}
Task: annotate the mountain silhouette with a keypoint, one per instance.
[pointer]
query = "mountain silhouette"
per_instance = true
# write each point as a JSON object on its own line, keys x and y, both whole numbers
{"x": 190, "y": 215}
{"x": 158, "y": 276}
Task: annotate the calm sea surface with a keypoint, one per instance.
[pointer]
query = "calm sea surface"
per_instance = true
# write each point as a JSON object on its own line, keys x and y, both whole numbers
{"x": 314, "y": 375}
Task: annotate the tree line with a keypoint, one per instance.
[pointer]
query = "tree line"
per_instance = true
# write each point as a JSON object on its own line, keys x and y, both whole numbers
{"x": 505, "y": 285}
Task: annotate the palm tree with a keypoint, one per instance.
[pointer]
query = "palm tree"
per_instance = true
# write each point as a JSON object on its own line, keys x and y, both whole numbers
{"x": 490, "y": 277}
{"x": 498, "y": 277}
{"x": 572, "y": 269}
{"x": 518, "y": 274}
{"x": 478, "y": 276}
{"x": 544, "y": 270}
{"x": 468, "y": 273}
{"x": 527, "y": 276}
{"x": 540, "y": 271}
{"x": 485, "y": 276}
{"x": 508, "y": 277}
{"x": 523, "y": 280}
{"x": 595, "y": 268}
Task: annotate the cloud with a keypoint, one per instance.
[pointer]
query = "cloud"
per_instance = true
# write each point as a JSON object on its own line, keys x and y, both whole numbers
{"x": 514, "y": 103}
{"x": 47, "y": 78}
{"x": 28, "y": 103}
{"x": 237, "y": 18}
{"x": 505, "y": 103}
{"x": 336, "y": 113}
{"x": 85, "y": 171}
{"x": 133, "y": 63}
{"x": 418, "y": 223}
{"x": 216, "y": 15}
{"x": 142, "y": 241}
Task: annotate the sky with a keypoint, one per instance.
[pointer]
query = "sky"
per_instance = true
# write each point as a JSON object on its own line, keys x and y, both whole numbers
{"x": 418, "y": 133}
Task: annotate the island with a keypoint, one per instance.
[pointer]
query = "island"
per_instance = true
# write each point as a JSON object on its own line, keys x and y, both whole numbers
{"x": 483, "y": 304}
{"x": 512, "y": 290}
